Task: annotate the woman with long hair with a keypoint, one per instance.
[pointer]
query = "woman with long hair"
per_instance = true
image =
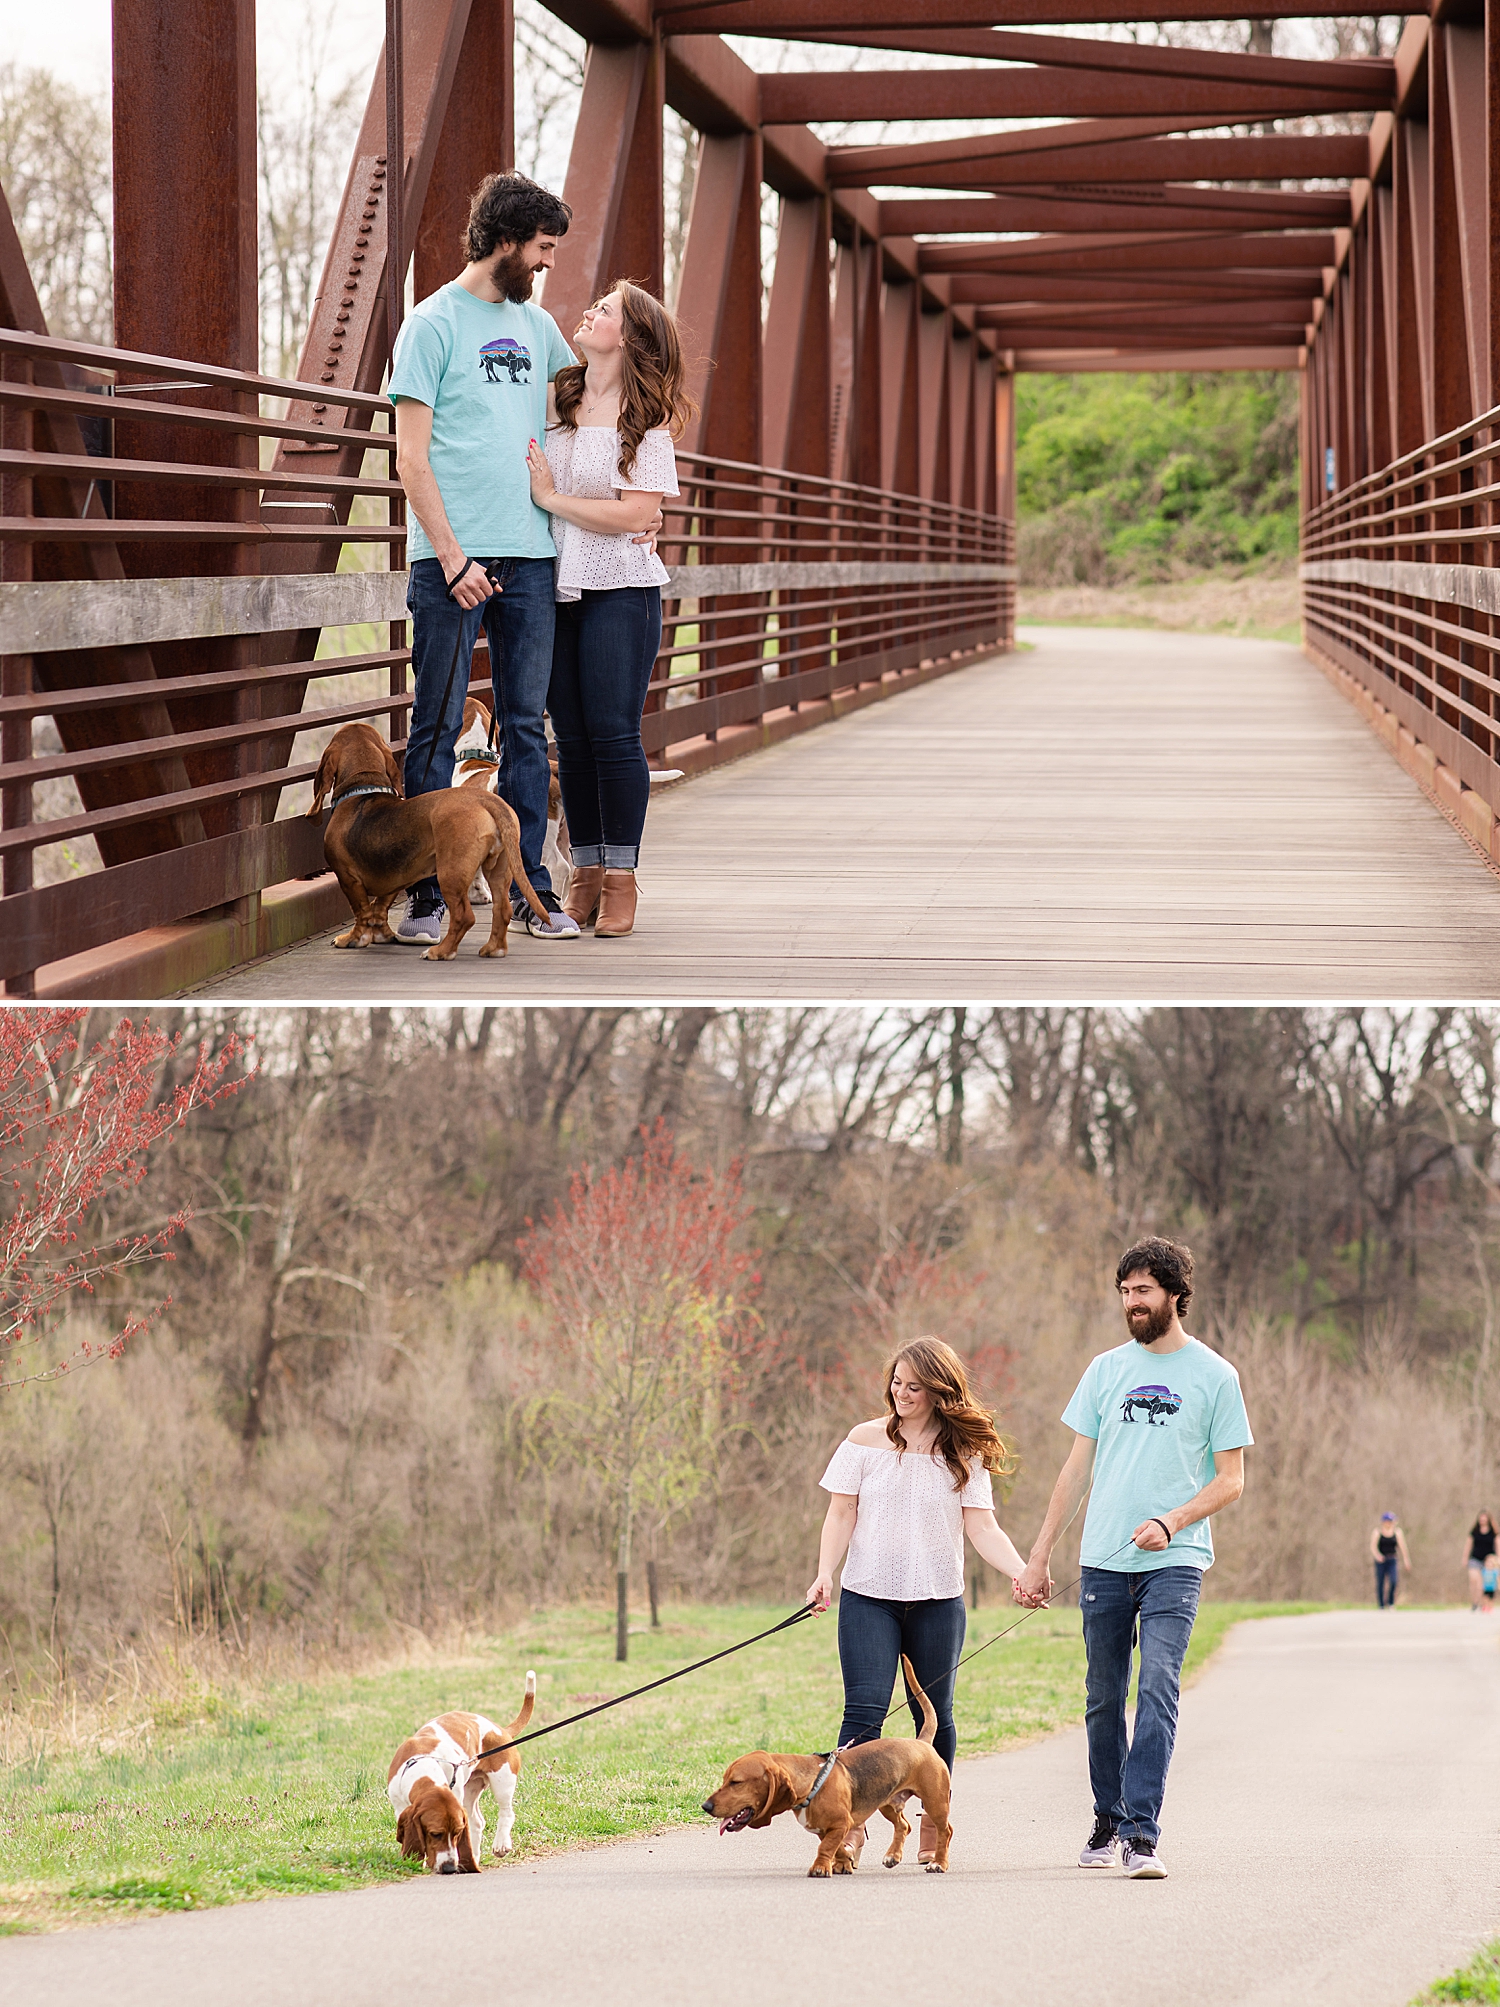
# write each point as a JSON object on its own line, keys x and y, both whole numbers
{"x": 607, "y": 463}
{"x": 1480, "y": 1561}
{"x": 907, "y": 1488}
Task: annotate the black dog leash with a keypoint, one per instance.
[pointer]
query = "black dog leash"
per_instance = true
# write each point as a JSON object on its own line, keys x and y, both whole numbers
{"x": 635, "y": 1693}
{"x": 1025, "y": 1616}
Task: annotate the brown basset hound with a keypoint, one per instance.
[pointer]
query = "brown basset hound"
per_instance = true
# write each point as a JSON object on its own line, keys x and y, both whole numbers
{"x": 377, "y": 842}
{"x": 871, "y": 1777}
{"x": 437, "y": 1778}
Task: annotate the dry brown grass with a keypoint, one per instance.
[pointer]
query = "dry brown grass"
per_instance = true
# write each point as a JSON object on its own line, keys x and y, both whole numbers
{"x": 1267, "y": 605}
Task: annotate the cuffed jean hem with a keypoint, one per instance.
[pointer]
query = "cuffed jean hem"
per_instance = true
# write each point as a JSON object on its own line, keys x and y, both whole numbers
{"x": 613, "y": 856}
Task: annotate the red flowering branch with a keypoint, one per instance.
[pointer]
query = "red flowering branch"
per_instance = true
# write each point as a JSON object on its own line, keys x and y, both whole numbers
{"x": 647, "y": 1294}
{"x": 76, "y": 1130}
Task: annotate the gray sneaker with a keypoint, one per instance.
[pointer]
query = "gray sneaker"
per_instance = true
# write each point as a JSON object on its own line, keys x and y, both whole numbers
{"x": 424, "y": 922}
{"x": 1138, "y": 1858}
{"x": 1099, "y": 1849}
{"x": 560, "y": 926}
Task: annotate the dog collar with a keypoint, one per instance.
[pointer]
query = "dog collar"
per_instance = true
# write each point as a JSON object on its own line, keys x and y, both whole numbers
{"x": 350, "y": 792}
{"x": 820, "y": 1780}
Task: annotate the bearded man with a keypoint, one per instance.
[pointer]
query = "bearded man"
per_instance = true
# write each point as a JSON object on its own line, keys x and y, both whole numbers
{"x": 469, "y": 382}
{"x": 1160, "y": 1433}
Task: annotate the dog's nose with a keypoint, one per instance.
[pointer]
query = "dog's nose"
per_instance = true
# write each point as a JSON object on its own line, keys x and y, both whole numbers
{"x": 708, "y": 1805}
{"x": 448, "y": 1867}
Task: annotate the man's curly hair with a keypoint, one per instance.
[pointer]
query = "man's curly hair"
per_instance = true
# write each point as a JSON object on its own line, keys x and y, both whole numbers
{"x": 1168, "y": 1263}
{"x": 510, "y": 209}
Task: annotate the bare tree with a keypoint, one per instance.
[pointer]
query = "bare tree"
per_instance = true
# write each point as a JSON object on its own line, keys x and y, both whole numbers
{"x": 56, "y": 172}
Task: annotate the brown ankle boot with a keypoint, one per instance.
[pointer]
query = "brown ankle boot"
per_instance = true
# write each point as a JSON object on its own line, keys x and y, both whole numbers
{"x": 584, "y": 887}
{"x": 927, "y": 1840}
{"x": 616, "y": 906}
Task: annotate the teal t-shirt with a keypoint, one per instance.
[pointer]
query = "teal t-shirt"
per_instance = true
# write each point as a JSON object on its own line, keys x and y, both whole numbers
{"x": 483, "y": 367}
{"x": 1158, "y": 1420}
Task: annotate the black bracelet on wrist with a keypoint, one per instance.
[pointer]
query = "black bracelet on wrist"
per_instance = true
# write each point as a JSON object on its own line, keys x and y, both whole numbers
{"x": 467, "y": 566}
{"x": 1164, "y": 1527}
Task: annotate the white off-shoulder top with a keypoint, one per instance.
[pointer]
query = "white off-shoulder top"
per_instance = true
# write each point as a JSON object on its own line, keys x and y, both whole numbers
{"x": 908, "y": 1542}
{"x": 586, "y": 463}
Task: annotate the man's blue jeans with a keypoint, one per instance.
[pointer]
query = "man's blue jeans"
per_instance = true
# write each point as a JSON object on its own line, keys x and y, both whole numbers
{"x": 1158, "y": 1606}
{"x": 518, "y": 623}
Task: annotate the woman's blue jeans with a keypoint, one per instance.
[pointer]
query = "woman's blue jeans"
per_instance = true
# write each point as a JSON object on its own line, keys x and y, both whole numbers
{"x": 1385, "y": 1582}
{"x": 873, "y": 1633}
{"x": 1157, "y": 1605}
{"x": 603, "y": 651}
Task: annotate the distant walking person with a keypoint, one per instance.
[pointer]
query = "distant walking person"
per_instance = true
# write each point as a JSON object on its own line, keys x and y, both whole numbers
{"x": 1481, "y": 1563}
{"x": 1160, "y": 1432}
{"x": 908, "y": 1488}
{"x": 1388, "y": 1542}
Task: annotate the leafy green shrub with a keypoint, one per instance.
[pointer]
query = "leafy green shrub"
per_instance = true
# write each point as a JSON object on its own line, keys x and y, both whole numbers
{"x": 1129, "y": 478}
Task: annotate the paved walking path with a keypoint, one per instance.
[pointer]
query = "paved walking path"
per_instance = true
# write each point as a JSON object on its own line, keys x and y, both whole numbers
{"x": 1105, "y": 814}
{"x": 1330, "y": 1826}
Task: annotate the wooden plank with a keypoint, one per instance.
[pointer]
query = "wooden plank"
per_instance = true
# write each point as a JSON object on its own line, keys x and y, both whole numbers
{"x": 1011, "y": 832}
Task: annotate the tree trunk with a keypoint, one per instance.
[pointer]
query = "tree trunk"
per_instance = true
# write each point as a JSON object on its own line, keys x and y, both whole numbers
{"x": 622, "y": 1616}
{"x": 651, "y": 1591}
{"x": 954, "y": 1150}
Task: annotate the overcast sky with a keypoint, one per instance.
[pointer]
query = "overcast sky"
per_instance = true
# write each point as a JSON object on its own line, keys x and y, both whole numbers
{"x": 72, "y": 40}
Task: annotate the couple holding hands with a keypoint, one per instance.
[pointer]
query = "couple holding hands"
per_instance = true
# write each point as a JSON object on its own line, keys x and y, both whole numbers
{"x": 1159, "y": 1439}
{"x": 534, "y": 484}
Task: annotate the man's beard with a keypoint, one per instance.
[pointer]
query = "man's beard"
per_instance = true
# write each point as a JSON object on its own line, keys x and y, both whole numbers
{"x": 513, "y": 278}
{"x": 1151, "y": 1324}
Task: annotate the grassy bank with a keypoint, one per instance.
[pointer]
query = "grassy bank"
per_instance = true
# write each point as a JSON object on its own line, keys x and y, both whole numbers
{"x": 228, "y": 1797}
{"x": 1478, "y": 1980}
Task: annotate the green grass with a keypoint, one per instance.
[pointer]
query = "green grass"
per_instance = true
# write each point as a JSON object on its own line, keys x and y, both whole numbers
{"x": 1478, "y": 1980}
{"x": 227, "y": 1800}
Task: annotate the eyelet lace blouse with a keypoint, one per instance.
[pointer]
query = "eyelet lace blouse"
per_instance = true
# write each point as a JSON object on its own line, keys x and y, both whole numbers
{"x": 908, "y": 1542}
{"x": 586, "y": 463}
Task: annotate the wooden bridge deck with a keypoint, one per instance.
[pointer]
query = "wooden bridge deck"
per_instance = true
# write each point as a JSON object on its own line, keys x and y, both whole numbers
{"x": 1103, "y": 815}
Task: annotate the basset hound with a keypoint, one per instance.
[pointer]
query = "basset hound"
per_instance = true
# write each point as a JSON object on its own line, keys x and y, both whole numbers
{"x": 437, "y": 1778}
{"x": 833, "y": 1796}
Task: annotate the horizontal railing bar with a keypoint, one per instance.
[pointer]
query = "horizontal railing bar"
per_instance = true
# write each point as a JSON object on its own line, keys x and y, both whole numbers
{"x": 90, "y": 404}
{"x": 213, "y": 683}
{"x": 1369, "y": 642}
{"x": 212, "y": 375}
{"x": 139, "y": 752}
{"x": 91, "y": 467}
{"x": 113, "y": 530}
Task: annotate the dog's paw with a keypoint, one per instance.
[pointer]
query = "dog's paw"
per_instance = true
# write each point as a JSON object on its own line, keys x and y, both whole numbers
{"x": 494, "y": 948}
{"x": 935, "y": 1867}
{"x": 438, "y": 953}
{"x": 891, "y": 1861}
{"x": 817, "y": 1874}
{"x": 843, "y": 1864}
{"x": 500, "y": 1852}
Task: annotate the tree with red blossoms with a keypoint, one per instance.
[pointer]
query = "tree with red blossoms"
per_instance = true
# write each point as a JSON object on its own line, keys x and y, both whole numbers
{"x": 647, "y": 1296}
{"x": 76, "y": 1129}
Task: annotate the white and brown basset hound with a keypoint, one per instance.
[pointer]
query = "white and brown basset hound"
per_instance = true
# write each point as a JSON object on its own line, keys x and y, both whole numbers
{"x": 437, "y": 1778}
{"x": 476, "y": 764}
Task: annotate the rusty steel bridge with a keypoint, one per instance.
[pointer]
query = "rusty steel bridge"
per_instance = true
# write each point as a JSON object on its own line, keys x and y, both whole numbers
{"x": 187, "y": 543}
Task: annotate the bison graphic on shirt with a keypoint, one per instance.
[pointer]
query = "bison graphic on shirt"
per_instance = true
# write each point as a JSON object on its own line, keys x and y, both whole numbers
{"x": 507, "y": 355}
{"x": 1157, "y": 1403}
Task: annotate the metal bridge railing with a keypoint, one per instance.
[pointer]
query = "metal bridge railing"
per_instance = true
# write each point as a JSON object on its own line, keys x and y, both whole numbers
{"x": 1401, "y": 586}
{"x": 157, "y": 729}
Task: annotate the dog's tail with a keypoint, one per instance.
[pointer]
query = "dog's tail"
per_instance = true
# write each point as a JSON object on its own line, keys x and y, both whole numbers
{"x": 509, "y": 832}
{"x": 526, "y": 1708}
{"x": 929, "y": 1717}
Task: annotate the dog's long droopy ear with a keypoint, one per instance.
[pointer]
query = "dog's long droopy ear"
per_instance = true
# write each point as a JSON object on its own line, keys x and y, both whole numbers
{"x": 409, "y": 1833}
{"x": 778, "y": 1793}
{"x": 466, "y": 1861}
{"x": 393, "y": 772}
{"x": 322, "y": 782}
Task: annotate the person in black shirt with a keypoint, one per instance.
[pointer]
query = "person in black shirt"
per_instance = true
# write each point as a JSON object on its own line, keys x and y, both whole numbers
{"x": 1386, "y": 1543}
{"x": 1481, "y": 1563}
